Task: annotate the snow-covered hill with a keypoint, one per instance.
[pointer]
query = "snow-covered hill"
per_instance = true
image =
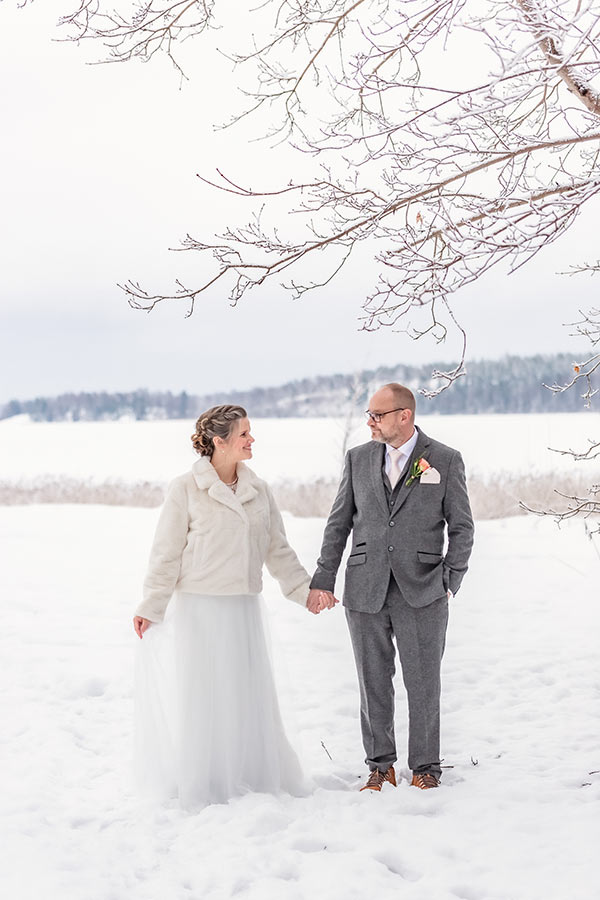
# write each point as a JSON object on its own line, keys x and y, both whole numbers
{"x": 507, "y": 385}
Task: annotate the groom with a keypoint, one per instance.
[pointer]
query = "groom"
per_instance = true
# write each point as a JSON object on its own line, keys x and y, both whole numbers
{"x": 399, "y": 496}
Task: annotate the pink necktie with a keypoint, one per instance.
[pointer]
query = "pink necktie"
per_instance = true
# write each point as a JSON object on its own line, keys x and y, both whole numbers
{"x": 397, "y": 464}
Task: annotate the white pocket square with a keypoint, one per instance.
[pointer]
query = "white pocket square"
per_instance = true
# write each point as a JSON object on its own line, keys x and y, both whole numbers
{"x": 430, "y": 476}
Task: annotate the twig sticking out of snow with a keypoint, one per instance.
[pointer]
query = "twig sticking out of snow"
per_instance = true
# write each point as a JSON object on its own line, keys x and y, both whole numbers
{"x": 326, "y": 751}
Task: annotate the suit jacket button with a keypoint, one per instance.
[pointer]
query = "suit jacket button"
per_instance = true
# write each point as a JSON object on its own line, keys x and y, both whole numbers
{"x": 390, "y": 549}
{"x": 392, "y": 524}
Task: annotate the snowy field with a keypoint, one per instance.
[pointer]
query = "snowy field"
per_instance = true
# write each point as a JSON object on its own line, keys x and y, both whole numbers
{"x": 516, "y": 817}
{"x": 285, "y": 449}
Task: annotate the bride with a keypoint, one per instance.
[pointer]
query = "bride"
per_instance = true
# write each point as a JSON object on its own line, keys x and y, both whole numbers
{"x": 208, "y": 725}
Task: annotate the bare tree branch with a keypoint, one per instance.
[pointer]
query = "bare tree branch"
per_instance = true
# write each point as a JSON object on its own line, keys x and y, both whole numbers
{"x": 441, "y": 171}
{"x": 592, "y": 452}
{"x": 577, "y": 507}
{"x": 583, "y": 370}
{"x": 536, "y": 16}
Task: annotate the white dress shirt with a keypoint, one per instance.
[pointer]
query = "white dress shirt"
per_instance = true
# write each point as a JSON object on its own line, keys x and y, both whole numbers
{"x": 404, "y": 452}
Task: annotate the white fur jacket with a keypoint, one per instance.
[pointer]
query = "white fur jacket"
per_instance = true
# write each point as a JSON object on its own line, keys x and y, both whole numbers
{"x": 211, "y": 541}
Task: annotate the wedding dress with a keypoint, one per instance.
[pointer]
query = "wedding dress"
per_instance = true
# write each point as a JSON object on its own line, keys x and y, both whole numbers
{"x": 207, "y": 720}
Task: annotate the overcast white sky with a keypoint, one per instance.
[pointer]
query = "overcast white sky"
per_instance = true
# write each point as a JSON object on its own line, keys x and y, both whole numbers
{"x": 97, "y": 180}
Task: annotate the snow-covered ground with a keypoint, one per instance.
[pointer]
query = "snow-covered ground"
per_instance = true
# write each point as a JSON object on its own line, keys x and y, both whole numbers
{"x": 285, "y": 449}
{"x": 516, "y": 817}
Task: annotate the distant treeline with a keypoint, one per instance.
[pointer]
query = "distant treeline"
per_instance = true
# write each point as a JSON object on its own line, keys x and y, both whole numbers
{"x": 510, "y": 385}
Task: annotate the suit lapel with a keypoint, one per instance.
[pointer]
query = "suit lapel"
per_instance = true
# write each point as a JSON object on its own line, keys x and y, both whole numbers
{"x": 422, "y": 442}
{"x": 377, "y": 454}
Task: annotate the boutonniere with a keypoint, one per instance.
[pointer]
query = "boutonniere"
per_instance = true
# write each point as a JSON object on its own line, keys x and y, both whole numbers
{"x": 418, "y": 467}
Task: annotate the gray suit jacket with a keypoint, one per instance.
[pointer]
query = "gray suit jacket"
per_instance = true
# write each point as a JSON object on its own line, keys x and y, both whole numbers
{"x": 407, "y": 540}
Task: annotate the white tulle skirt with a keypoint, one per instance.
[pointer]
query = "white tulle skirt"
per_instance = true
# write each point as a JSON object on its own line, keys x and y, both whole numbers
{"x": 207, "y": 720}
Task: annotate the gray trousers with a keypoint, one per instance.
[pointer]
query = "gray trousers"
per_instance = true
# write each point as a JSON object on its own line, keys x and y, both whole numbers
{"x": 420, "y": 636}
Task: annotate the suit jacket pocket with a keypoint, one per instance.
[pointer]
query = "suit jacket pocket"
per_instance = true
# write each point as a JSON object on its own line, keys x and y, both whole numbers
{"x": 357, "y": 559}
{"x": 430, "y": 559}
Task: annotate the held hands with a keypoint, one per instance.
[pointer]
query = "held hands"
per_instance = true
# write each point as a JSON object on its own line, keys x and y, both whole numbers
{"x": 319, "y": 600}
{"x": 141, "y": 625}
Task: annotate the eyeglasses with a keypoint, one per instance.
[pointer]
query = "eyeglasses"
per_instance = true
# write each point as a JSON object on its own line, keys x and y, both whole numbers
{"x": 377, "y": 417}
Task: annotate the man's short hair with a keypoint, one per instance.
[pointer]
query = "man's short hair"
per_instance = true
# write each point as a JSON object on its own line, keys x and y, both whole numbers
{"x": 403, "y": 396}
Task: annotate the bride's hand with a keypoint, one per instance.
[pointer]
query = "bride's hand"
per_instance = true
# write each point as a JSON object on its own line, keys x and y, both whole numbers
{"x": 141, "y": 625}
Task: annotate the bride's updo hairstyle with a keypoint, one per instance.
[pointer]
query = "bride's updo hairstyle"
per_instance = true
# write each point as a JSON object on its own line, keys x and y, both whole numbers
{"x": 215, "y": 422}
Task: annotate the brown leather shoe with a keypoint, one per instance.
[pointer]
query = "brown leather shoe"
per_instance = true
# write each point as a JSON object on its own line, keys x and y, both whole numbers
{"x": 376, "y": 779}
{"x": 425, "y": 780}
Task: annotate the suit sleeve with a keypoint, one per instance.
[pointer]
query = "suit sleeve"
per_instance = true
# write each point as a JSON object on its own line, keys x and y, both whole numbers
{"x": 339, "y": 526}
{"x": 164, "y": 565}
{"x": 457, "y": 512}
{"x": 281, "y": 560}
